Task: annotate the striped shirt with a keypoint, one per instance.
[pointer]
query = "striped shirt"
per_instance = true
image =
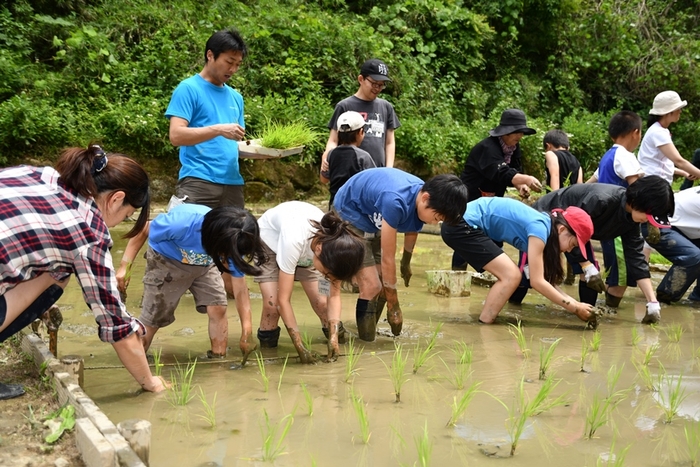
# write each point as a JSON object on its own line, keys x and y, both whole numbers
{"x": 45, "y": 228}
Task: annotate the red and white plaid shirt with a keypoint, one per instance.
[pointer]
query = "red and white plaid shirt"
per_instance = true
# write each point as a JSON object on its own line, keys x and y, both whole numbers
{"x": 45, "y": 228}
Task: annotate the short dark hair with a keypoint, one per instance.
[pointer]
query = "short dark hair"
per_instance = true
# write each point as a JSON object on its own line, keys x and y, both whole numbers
{"x": 342, "y": 251}
{"x": 448, "y": 196}
{"x": 348, "y": 137}
{"x": 623, "y": 123}
{"x": 556, "y": 138}
{"x": 223, "y": 41}
{"x": 651, "y": 194}
{"x": 231, "y": 233}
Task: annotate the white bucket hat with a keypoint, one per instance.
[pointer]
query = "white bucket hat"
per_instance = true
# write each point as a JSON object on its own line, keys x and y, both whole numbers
{"x": 666, "y": 102}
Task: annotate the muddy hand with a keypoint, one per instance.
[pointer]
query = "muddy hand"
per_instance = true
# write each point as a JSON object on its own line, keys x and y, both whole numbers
{"x": 393, "y": 312}
{"x": 333, "y": 349}
{"x": 305, "y": 355}
{"x": 653, "y": 235}
{"x": 406, "y": 272}
{"x": 596, "y": 283}
{"x": 247, "y": 345}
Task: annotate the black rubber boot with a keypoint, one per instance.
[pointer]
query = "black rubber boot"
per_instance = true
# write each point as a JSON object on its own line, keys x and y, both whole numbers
{"x": 586, "y": 294}
{"x": 342, "y": 333}
{"x": 611, "y": 300}
{"x": 9, "y": 391}
{"x": 381, "y": 303}
{"x": 269, "y": 339}
{"x": 367, "y": 322}
{"x": 33, "y": 312}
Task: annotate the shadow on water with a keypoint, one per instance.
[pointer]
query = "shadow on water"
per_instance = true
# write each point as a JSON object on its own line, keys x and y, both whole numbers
{"x": 332, "y": 435}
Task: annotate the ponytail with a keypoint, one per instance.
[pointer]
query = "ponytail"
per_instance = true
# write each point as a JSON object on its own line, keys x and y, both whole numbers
{"x": 342, "y": 251}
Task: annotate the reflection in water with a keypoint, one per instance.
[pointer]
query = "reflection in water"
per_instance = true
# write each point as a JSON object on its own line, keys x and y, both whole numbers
{"x": 329, "y": 436}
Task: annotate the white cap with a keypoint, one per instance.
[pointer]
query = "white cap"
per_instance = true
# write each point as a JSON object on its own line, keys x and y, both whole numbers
{"x": 350, "y": 121}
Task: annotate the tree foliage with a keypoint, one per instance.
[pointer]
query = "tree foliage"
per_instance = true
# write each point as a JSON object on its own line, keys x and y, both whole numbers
{"x": 74, "y": 71}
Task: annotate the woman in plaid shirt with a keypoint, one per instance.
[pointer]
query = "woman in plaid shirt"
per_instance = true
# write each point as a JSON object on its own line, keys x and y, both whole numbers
{"x": 54, "y": 223}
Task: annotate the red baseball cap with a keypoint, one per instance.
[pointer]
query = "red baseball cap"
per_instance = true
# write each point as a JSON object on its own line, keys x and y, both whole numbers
{"x": 580, "y": 222}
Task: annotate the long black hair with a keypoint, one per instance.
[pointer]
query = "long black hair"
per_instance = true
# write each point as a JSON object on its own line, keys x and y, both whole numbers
{"x": 342, "y": 251}
{"x": 553, "y": 270}
{"x": 231, "y": 233}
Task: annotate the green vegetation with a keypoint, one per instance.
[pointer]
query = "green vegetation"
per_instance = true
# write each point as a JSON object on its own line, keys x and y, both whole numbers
{"x": 209, "y": 409}
{"x": 361, "y": 411}
{"x": 595, "y": 341}
{"x": 181, "y": 390}
{"x": 584, "y": 352}
{"x": 674, "y": 332}
{"x": 546, "y": 355}
{"x": 615, "y": 459}
{"x": 692, "y": 439}
{"x": 279, "y": 135}
{"x": 308, "y": 398}
{"x": 273, "y": 435}
{"x": 263, "y": 371}
{"x": 424, "y": 447}
{"x": 671, "y": 396}
{"x": 397, "y": 370}
{"x": 75, "y": 71}
{"x": 459, "y": 406}
{"x": 599, "y": 411}
{"x": 284, "y": 367}
{"x": 157, "y": 361}
{"x": 422, "y": 355}
{"x": 635, "y": 337}
{"x": 517, "y": 332}
{"x": 352, "y": 357}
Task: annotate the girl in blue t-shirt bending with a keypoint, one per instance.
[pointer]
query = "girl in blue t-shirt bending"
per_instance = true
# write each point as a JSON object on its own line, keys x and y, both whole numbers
{"x": 542, "y": 237}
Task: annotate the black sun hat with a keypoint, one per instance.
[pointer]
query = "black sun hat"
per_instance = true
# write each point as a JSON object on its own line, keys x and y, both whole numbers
{"x": 512, "y": 121}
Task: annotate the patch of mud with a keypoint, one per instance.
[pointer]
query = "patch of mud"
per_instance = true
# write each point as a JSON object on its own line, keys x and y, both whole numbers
{"x": 184, "y": 332}
{"x": 79, "y": 329}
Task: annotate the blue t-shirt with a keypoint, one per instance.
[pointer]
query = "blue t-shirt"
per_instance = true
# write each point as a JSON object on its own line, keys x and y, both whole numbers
{"x": 606, "y": 169}
{"x": 382, "y": 193}
{"x": 202, "y": 104}
{"x": 177, "y": 235}
{"x": 507, "y": 220}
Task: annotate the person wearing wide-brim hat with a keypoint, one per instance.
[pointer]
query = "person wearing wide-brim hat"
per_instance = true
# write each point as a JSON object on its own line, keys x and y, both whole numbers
{"x": 657, "y": 153}
{"x": 496, "y": 162}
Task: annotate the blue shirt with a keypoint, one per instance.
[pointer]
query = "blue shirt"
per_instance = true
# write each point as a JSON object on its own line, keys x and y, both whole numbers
{"x": 177, "y": 235}
{"x": 606, "y": 169}
{"x": 374, "y": 195}
{"x": 203, "y": 104}
{"x": 507, "y": 220}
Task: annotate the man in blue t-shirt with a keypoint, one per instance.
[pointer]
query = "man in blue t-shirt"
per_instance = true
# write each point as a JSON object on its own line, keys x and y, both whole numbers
{"x": 206, "y": 122}
{"x": 379, "y": 203}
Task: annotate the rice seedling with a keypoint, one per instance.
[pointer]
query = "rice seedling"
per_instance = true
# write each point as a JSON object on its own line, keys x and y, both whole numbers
{"x": 463, "y": 364}
{"x": 542, "y": 402}
{"x": 459, "y": 406}
{"x": 397, "y": 372}
{"x": 650, "y": 383}
{"x": 284, "y": 367}
{"x": 424, "y": 447}
{"x": 157, "y": 361}
{"x": 649, "y": 353}
{"x": 307, "y": 339}
{"x": 286, "y": 135}
{"x": 584, "y": 353}
{"x": 516, "y": 330}
{"x": 308, "y": 398}
{"x": 613, "y": 377}
{"x": 361, "y": 411}
{"x": 614, "y": 459}
{"x": 181, "y": 384}
{"x": 546, "y": 355}
{"x": 209, "y": 409}
{"x": 273, "y": 435}
{"x": 671, "y": 396}
{"x": 692, "y": 440}
{"x": 420, "y": 355}
{"x": 598, "y": 414}
{"x": 352, "y": 357}
{"x": 674, "y": 332}
{"x": 635, "y": 337}
{"x": 263, "y": 371}
{"x": 595, "y": 341}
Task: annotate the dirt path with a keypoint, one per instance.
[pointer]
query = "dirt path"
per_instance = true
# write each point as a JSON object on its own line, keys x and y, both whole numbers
{"x": 21, "y": 419}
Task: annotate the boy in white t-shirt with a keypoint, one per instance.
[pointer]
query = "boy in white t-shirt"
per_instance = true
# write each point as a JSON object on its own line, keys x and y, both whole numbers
{"x": 619, "y": 166}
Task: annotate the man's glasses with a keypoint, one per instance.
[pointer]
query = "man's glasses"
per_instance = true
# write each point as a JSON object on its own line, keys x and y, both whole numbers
{"x": 376, "y": 84}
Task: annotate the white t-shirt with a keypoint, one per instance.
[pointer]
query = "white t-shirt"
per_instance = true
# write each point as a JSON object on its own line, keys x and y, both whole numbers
{"x": 287, "y": 231}
{"x": 652, "y": 160}
{"x": 686, "y": 217}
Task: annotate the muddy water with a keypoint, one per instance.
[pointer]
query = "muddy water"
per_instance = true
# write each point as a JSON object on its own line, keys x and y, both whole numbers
{"x": 332, "y": 436}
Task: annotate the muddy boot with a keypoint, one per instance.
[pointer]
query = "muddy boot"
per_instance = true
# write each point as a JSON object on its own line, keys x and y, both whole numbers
{"x": 587, "y": 294}
{"x": 10, "y": 391}
{"x": 367, "y": 322}
{"x": 342, "y": 333}
{"x": 611, "y": 300}
{"x": 269, "y": 339}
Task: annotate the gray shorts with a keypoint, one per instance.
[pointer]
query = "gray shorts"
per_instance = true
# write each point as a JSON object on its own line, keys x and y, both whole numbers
{"x": 373, "y": 247}
{"x": 210, "y": 194}
{"x": 165, "y": 282}
{"x": 271, "y": 271}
